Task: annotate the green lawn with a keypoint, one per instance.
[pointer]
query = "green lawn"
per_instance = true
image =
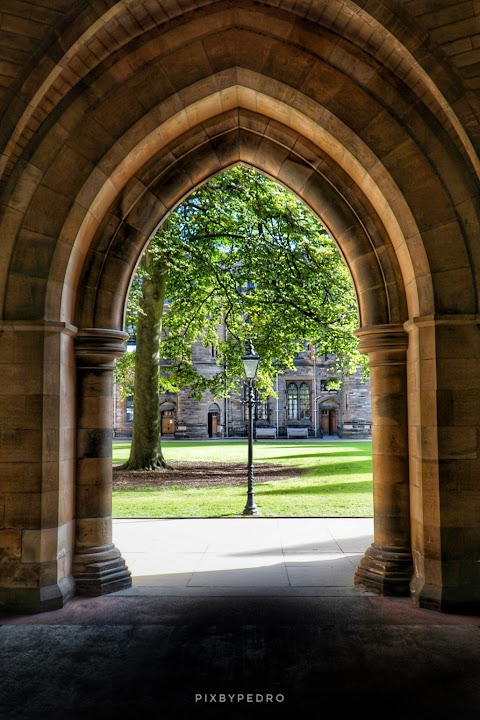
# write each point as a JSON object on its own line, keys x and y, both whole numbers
{"x": 337, "y": 481}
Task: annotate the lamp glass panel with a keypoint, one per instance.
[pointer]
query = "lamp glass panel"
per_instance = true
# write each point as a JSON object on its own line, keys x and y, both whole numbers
{"x": 250, "y": 366}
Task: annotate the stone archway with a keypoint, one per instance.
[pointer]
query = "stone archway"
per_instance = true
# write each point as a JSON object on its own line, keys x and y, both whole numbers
{"x": 131, "y": 111}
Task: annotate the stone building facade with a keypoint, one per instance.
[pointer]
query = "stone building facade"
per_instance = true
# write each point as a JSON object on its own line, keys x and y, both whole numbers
{"x": 303, "y": 399}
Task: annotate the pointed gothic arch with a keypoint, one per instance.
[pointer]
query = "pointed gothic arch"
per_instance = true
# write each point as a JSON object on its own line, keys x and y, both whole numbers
{"x": 119, "y": 116}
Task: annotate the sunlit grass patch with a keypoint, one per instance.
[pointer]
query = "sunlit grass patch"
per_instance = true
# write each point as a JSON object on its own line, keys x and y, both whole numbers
{"x": 335, "y": 480}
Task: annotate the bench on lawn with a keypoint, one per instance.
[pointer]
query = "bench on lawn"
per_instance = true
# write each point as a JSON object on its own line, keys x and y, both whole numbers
{"x": 297, "y": 432}
{"x": 266, "y": 432}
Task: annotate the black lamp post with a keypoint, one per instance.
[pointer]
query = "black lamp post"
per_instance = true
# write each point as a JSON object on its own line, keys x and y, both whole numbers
{"x": 250, "y": 364}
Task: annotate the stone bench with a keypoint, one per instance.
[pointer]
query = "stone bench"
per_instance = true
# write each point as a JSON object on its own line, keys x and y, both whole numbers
{"x": 266, "y": 432}
{"x": 297, "y": 432}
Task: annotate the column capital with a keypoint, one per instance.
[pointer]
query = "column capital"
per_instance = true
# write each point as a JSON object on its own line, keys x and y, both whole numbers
{"x": 46, "y": 327}
{"x": 439, "y": 320}
{"x": 384, "y": 342}
{"x": 98, "y": 347}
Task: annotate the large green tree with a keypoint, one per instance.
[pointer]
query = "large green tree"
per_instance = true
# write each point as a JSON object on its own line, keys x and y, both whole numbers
{"x": 244, "y": 252}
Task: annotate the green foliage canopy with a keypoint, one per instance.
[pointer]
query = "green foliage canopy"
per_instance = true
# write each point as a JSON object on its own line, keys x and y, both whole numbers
{"x": 244, "y": 255}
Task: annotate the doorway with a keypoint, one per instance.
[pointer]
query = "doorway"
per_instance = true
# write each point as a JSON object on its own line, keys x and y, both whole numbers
{"x": 213, "y": 420}
{"x": 328, "y": 421}
{"x": 168, "y": 422}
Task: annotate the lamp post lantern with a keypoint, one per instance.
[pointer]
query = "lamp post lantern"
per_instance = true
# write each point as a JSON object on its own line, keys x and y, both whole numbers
{"x": 250, "y": 365}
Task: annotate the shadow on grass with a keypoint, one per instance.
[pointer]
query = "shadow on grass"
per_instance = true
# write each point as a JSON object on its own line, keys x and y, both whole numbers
{"x": 360, "y": 468}
{"x": 320, "y": 456}
{"x": 365, "y": 486}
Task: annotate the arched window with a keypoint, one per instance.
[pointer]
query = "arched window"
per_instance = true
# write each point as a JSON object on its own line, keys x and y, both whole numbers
{"x": 292, "y": 401}
{"x": 304, "y": 401}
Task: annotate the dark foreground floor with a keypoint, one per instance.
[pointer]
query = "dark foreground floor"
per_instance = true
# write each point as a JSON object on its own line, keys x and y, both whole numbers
{"x": 174, "y": 657}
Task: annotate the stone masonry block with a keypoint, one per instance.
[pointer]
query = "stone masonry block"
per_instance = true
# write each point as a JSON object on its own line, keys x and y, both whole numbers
{"x": 23, "y": 510}
{"x": 10, "y": 545}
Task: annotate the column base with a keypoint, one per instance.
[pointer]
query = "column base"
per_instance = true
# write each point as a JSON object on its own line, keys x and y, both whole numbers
{"x": 457, "y": 600}
{"x": 99, "y": 571}
{"x": 385, "y": 570}
{"x": 37, "y": 600}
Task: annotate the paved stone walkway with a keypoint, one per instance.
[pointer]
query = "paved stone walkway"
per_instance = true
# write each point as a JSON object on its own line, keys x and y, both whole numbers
{"x": 240, "y": 619}
{"x": 250, "y": 556}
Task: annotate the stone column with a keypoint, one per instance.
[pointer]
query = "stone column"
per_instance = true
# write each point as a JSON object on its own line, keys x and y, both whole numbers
{"x": 98, "y": 567}
{"x": 387, "y": 565}
{"x": 444, "y": 401}
{"x": 37, "y": 465}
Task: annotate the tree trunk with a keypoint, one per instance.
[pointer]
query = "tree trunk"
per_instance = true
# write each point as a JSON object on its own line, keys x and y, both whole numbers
{"x": 145, "y": 451}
